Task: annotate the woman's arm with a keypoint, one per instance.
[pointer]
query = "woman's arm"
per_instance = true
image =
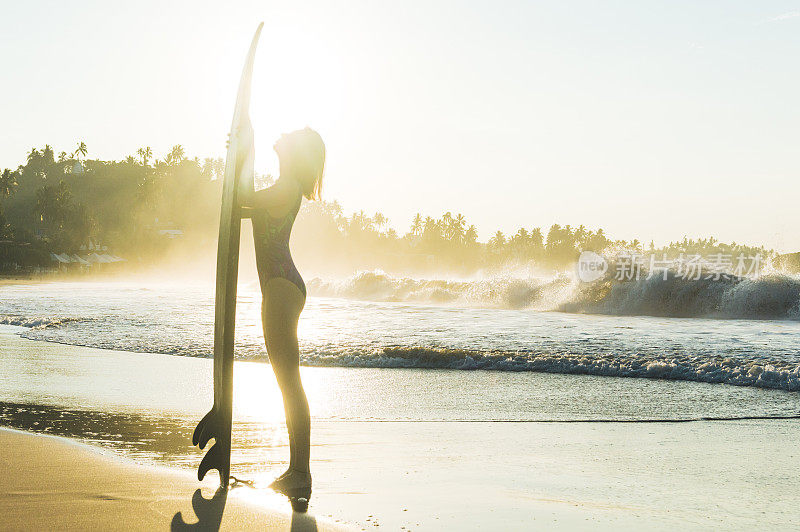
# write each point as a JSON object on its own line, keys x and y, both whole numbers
{"x": 276, "y": 200}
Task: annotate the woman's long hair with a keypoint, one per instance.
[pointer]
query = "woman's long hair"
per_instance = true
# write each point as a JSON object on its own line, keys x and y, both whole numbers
{"x": 303, "y": 153}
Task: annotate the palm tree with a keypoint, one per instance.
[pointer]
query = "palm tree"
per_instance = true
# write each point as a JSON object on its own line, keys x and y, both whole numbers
{"x": 431, "y": 228}
{"x": 47, "y": 154}
{"x": 80, "y": 150}
{"x": 145, "y": 153}
{"x": 8, "y": 182}
{"x": 446, "y": 225}
{"x": 521, "y": 238}
{"x": 207, "y": 169}
{"x": 175, "y": 155}
{"x": 219, "y": 167}
{"x": 34, "y": 166}
{"x": 471, "y": 235}
{"x": 380, "y": 220}
{"x": 52, "y": 204}
{"x": 537, "y": 238}
{"x": 149, "y": 190}
{"x": 498, "y": 240}
{"x": 458, "y": 227}
{"x": 361, "y": 222}
{"x": 416, "y": 224}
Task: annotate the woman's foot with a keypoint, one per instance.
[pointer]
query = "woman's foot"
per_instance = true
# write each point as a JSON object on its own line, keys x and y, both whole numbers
{"x": 291, "y": 479}
{"x": 279, "y": 477}
{"x": 296, "y": 485}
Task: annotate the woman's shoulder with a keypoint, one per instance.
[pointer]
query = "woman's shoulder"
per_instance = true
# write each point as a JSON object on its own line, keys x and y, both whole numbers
{"x": 287, "y": 187}
{"x": 280, "y": 197}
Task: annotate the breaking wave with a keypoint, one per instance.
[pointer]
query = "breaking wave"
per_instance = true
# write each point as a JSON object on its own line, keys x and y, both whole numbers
{"x": 782, "y": 375}
{"x": 499, "y": 292}
{"x": 353, "y": 334}
{"x": 775, "y": 296}
{"x": 770, "y": 297}
{"x": 37, "y": 322}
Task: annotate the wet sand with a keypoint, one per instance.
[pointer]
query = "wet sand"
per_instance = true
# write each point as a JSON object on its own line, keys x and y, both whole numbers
{"x": 438, "y": 476}
{"x": 50, "y": 483}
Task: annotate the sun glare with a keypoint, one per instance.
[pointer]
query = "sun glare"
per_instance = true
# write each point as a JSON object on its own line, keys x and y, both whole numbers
{"x": 255, "y": 393}
{"x": 297, "y": 82}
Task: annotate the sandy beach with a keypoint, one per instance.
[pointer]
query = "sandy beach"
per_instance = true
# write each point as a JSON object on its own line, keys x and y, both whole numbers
{"x": 52, "y": 483}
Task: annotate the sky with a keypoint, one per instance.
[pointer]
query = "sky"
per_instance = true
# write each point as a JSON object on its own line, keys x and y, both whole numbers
{"x": 652, "y": 120}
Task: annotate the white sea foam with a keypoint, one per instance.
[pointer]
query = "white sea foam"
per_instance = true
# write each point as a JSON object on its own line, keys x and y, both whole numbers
{"x": 783, "y": 375}
{"x": 344, "y": 332}
{"x": 775, "y": 296}
{"x": 494, "y": 292}
{"x": 36, "y": 322}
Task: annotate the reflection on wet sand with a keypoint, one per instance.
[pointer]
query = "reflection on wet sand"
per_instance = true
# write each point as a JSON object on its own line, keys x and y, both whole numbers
{"x": 163, "y": 439}
{"x": 157, "y": 439}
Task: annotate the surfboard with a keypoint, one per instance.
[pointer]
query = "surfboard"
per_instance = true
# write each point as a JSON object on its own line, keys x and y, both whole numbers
{"x": 238, "y": 162}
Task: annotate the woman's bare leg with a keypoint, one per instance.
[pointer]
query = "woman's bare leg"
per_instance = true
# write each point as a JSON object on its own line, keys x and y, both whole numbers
{"x": 283, "y": 302}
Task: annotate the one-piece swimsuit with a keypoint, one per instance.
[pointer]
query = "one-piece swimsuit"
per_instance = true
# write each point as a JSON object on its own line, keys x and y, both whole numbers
{"x": 271, "y": 236}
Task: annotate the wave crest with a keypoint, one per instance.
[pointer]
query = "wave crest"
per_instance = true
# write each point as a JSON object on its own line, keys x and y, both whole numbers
{"x": 701, "y": 368}
{"x": 775, "y": 296}
{"x": 499, "y": 292}
{"x": 36, "y": 322}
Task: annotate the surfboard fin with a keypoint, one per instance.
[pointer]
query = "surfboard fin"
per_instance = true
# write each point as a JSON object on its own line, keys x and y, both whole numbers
{"x": 205, "y": 430}
{"x": 214, "y": 459}
{"x": 217, "y": 457}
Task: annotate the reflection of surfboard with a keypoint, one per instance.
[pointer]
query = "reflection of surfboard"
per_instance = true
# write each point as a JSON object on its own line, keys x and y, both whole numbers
{"x": 217, "y": 423}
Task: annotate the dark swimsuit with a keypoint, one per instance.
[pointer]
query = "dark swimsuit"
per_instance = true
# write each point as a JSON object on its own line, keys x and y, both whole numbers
{"x": 271, "y": 236}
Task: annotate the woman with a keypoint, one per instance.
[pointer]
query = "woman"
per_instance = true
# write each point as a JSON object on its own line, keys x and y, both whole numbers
{"x": 273, "y": 211}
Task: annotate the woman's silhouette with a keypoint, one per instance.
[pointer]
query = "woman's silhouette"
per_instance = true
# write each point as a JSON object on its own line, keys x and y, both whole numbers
{"x": 273, "y": 211}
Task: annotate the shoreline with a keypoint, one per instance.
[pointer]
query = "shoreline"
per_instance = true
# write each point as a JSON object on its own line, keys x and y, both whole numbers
{"x": 11, "y": 340}
{"x": 59, "y": 483}
{"x": 786, "y": 380}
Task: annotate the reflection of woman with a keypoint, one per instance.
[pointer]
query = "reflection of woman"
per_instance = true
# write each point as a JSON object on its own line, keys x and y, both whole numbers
{"x": 273, "y": 211}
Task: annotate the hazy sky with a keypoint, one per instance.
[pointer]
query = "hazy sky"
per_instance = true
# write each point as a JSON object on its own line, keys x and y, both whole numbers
{"x": 649, "y": 119}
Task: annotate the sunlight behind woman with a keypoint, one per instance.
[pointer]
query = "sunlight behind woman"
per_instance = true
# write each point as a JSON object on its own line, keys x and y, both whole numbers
{"x": 309, "y": 89}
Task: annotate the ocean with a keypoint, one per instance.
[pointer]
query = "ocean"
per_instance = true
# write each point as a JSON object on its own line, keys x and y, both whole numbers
{"x": 375, "y": 321}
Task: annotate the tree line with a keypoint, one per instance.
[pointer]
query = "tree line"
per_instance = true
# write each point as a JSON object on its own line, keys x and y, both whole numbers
{"x": 136, "y": 207}
{"x": 450, "y": 244}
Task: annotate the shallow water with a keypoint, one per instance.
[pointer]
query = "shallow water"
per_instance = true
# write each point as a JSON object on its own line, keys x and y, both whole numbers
{"x": 146, "y": 405}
